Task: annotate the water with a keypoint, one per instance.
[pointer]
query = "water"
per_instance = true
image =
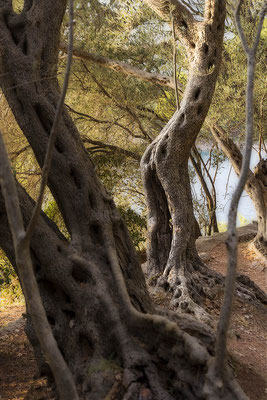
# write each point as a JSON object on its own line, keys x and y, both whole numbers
{"x": 246, "y": 210}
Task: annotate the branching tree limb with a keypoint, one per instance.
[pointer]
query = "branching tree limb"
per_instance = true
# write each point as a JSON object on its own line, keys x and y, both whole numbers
{"x": 125, "y": 68}
{"x": 217, "y": 372}
{"x": 174, "y": 60}
{"x": 114, "y": 148}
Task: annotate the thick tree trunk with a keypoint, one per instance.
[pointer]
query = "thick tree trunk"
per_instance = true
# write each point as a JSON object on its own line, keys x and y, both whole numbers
{"x": 165, "y": 163}
{"x": 256, "y": 186}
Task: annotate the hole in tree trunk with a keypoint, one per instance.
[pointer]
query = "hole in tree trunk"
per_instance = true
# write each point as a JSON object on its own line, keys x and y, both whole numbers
{"x": 37, "y": 267}
{"x": 197, "y": 93}
{"x": 25, "y": 46}
{"x": 205, "y": 48}
{"x": 17, "y": 33}
{"x": 184, "y": 24}
{"x": 163, "y": 150}
{"x": 51, "y": 320}
{"x": 69, "y": 314}
{"x": 92, "y": 200}
{"x": 199, "y": 110}
{"x": 58, "y": 146}
{"x": 80, "y": 274}
{"x": 75, "y": 176}
{"x": 43, "y": 117}
{"x": 96, "y": 233}
{"x": 85, "y": 346}
{"x": 210, "y": 65}
{"x": 178, "y": 293}
{"x": 182, "y": 118}
{"x": 184, "y": 305}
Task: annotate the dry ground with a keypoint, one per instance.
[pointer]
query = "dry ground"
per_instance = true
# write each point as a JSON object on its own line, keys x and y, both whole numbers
{"x": 247, "y": 337}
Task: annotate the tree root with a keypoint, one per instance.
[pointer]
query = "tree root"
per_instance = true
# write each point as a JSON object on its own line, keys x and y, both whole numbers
{"x": 259, "y": 247}
{"x": 191, "y": 284}
{"x": 168, "y": 364}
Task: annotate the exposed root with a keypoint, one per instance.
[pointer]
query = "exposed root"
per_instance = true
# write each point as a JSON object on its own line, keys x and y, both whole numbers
{"x": 191, "y": 284}
{"x": 259, "y": 247}
{"x": 215, "y": 387}
{"x": 248, "y": 290}
{"x": 168, "y": 364}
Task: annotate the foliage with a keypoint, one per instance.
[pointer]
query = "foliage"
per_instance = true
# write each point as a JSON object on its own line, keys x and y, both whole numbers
{"x": 230, "y": 90}
{"x": 10, "y": 289}
{"x": 136, "y": 225}
{"x": 52, "y": 211}
{"x": 242, "y": 220}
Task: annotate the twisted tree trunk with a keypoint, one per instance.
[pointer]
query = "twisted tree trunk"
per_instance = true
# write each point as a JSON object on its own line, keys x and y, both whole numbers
{"x": 172, "y": 254}
{"x": 256, "y": 185}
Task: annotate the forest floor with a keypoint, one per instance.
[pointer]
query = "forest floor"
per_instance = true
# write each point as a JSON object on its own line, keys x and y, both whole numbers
{"x": 247, "y": 337}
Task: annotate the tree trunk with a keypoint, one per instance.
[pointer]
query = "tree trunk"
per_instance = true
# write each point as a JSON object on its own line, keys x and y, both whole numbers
{"x": 165, "y": 165}
{"x": 256, "y": 186}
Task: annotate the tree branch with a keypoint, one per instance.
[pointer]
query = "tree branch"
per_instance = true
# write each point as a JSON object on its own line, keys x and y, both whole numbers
{"x": 222, "y": 330}
{"x": 117, "y": 149}
{"x": 125, "y": 68}
{"x": 185, "y": 24}
{"x": 174, "y": 61}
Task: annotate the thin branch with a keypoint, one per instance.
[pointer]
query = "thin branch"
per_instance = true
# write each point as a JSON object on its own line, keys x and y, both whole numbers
{"x": 53, "y": 133}
{"x": 114, "y": 148}
{"x": 100, "y": 121}
{"x": 223, "y": 325}
{"x": 174, "y": 59}
{"x": 15, "y": 154}
{"x": 63, "y": 377}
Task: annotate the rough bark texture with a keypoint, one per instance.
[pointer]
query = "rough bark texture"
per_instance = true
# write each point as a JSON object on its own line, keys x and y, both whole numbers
{"x": 256, "y": 186}
{"x": 171, "y": 253}
{"x": 92, "y": 286}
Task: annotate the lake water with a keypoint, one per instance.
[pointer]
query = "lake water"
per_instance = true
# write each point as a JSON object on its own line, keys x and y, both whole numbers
{"x": 246, "y": 210}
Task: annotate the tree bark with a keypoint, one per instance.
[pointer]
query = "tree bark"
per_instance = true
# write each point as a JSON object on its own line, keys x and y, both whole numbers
{"x": 165, "y": 163}
{"x": 256, "y": 185}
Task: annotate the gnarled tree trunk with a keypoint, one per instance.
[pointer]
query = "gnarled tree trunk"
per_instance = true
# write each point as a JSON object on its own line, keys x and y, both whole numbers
{"x": 256, "y": 186}
{"x": 172, "y": 254}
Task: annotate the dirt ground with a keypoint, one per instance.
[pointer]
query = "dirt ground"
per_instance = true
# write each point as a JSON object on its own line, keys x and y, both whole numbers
{"x": 247, "y": 337}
